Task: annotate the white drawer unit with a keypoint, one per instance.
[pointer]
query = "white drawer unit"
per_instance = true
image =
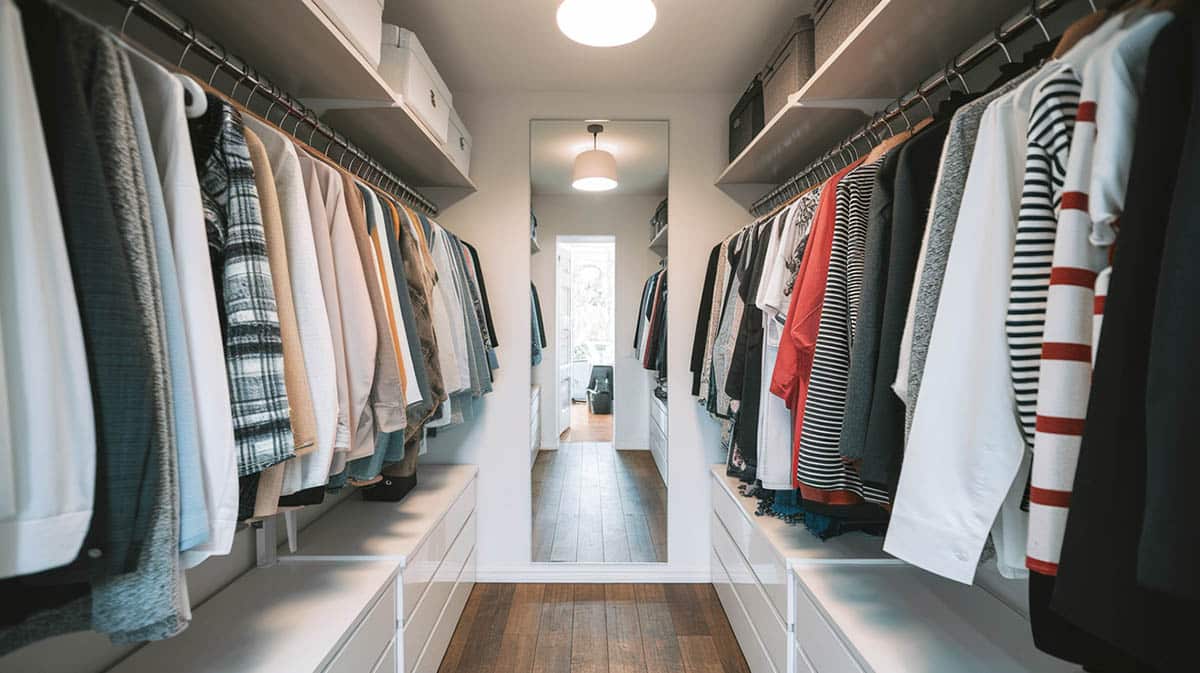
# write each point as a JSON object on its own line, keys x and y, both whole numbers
{"x": 428, "y": 538}
{"x": 659, "y": 437}
{"x": 899, "y": 619}
{"x": 311, "y": 618}
{"x": 535, "y": 422}
{"x": 406, "y": 67}
{"x": 770, "y": 545}
{"x": 458, "y": 143}
{"x": 771, "y": 631}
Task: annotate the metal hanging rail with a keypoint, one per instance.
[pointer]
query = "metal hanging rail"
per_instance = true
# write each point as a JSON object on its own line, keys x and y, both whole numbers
{"x": 847, "y": 151}
{"x": 358, "y": 162}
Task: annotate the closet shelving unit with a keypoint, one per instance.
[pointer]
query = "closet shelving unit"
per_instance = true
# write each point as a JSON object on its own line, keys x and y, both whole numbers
{"x": 309, "y": 56}
{"x": 658, "y": 244}
{"x": 898, "y": 43}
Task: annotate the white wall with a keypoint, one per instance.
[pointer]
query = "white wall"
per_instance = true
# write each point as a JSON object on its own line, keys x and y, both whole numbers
{"x": 627, "y": 218}
{"x": 496, "y": 219}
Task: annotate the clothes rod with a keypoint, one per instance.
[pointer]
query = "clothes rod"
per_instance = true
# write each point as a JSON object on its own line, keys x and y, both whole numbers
{"x": 358, "y": 162}
{"x": 846, "y": 151}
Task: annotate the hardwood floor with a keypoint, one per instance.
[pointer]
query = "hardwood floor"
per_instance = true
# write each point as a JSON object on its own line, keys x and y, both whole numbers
{"x": 593, "y": 504}
{"x": 588, "y": 427}
{"x": 593, "y": 628}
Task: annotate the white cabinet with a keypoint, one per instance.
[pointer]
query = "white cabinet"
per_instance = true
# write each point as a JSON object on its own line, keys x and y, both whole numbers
{"x": 801, "y": 605}
{"x": 458, "y": 143}
{"x": 374, "y": 587}
{"x": 659, "y": 446}
{"x": 429, "y": 536}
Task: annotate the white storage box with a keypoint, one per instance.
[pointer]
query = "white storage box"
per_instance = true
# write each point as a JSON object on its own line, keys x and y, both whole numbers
{"x": 407, "y": 68}
{"x": 458, "y": 144}
{"x": 361, "y": 21}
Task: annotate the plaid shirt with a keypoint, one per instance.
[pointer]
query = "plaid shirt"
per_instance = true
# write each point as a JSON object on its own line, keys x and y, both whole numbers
{"x": 249, "y": 322}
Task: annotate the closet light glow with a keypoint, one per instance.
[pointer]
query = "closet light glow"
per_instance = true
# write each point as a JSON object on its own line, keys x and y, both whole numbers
{"x": 606, "y": 23}
{"x": 595, "y": 169}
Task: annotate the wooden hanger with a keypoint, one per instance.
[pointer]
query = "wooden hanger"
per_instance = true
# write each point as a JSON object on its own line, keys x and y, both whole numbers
{"x": 1078, "y": 30}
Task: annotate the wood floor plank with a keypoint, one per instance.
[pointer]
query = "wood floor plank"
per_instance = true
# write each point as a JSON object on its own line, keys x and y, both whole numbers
{"x": 719, "y": 629}
{"x": 625, "y": 654}
{"x": 612, "y": 512}
{"x": 659, "y": 642}
{"x": 591, "y": 525}
{"x": 686, "y": 614}
{"x": 553, "y": 652}
{"x": 637, "y": 530}
{"x": 566, "y": 527}
{"x": 547, "y": 495}
{"x": 521, "y": 630}
{"x": 699, "y": 654}
{"x": 487, "y": 628}
{"x": 452, "y": 660}
{"x": 589, "y": 637}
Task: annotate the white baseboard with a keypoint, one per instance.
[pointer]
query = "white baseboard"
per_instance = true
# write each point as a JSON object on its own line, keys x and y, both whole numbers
{"x": 598, "y": 573}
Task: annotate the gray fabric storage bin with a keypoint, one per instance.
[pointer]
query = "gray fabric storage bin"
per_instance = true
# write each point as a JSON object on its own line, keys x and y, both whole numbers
{"x": 791, "y": 64}
{"x": 835, "y": 19}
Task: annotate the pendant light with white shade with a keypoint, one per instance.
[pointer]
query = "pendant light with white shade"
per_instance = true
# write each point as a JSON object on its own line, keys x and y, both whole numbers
{"x": 606, "y": 23}
{"x": 595, "y": 169}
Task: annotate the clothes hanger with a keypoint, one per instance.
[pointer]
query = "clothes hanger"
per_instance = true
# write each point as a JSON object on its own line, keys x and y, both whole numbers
{"x": 1080, "y": 29}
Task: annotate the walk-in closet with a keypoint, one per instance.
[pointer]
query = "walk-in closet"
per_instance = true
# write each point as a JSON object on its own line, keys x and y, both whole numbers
{"x": 604, "y": 336}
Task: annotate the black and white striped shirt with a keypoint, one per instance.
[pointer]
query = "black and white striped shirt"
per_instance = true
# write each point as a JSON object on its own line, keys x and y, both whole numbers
{"x": 822, "y": 473}
{"x": 1051, "y": 126}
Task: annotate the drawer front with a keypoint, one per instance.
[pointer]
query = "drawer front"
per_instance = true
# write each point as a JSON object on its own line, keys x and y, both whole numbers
{"x": 800, "y": 663}
{"x": 423, "y": 562}
{"x": 817, "y": 641}
{"x": 458, "y": 144}
{"x": 387, "y": 662}
{"x": 420, "y": 625}
{"x": 770, "y": 568}
{"x": 752, "y": 648}
{"x": 770, "y": 628}
{"x": 431, "y": 659}
{"x": 658, "y": 412}
{"x": 370, "y": 638}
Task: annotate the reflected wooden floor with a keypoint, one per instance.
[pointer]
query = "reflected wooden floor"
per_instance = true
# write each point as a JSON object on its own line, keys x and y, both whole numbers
{"x": 613, "y": 628}
{"x": 594, "y": 504}
{"x": 588, "y": 427}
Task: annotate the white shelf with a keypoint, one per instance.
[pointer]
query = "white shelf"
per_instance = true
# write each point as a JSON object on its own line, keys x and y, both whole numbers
{"x": 899, "y": 44}
{"x": 659, "y": 243}
{"x": 899, "y": 619}
{"x": 285, "y": 617}
{"x": 309, "y": 57}
{"x": 305, "y": 53}
{"x": 358, "y": 529}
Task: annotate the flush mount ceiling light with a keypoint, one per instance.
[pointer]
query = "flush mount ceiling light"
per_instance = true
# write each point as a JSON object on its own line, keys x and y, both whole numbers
{"x": 606, "y": 23}
{"x": 595, "y": 169}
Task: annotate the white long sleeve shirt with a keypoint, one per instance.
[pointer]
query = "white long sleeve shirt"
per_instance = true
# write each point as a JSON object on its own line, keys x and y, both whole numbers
{"x": 959, "y": 481}
{"x": 47, "y": 428}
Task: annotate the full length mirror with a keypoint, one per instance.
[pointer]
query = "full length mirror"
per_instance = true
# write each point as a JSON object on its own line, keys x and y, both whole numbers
{"x": 598, "y": 304}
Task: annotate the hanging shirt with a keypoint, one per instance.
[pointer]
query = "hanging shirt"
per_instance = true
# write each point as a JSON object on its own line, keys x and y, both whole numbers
{"x": 965, "y": 451}
{"x": 793, "y": 365}
{"x": 43, "y": 365}
{"x": 822, "y": 474}
{"x": 775, "y": 468}
{"x": 193, "y": 510}
{"x": 311, "y": 316}
{"x": 1066, "y": 366}
{"x": 163, "y": 105}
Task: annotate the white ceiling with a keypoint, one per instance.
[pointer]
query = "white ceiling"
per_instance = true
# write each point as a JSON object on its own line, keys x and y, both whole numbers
{"x": 696, "y": 45}
{"x": 640, "y": 148}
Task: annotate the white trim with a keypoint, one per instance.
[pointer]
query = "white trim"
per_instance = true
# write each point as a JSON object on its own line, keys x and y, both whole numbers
{"x": 602, "y": 573}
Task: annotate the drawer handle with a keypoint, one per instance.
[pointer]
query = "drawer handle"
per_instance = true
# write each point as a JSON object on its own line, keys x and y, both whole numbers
{"x": 462, "y": 143}
{"x": 432, "y": 98}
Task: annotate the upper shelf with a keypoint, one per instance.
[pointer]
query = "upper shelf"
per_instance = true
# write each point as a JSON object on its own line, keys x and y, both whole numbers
{"x": 659, "y": 243}
{"x": 310, "y": 58}
{"x": 900, "y": 43}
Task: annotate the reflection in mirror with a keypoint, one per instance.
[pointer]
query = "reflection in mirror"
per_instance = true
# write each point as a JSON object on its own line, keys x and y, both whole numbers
{"x": 598, "y": 415}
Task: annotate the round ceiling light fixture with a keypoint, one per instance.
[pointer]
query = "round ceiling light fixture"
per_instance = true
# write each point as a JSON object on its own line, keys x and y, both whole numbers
{"x": 606, "y": 23}
{"x": 595, "y": 169}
